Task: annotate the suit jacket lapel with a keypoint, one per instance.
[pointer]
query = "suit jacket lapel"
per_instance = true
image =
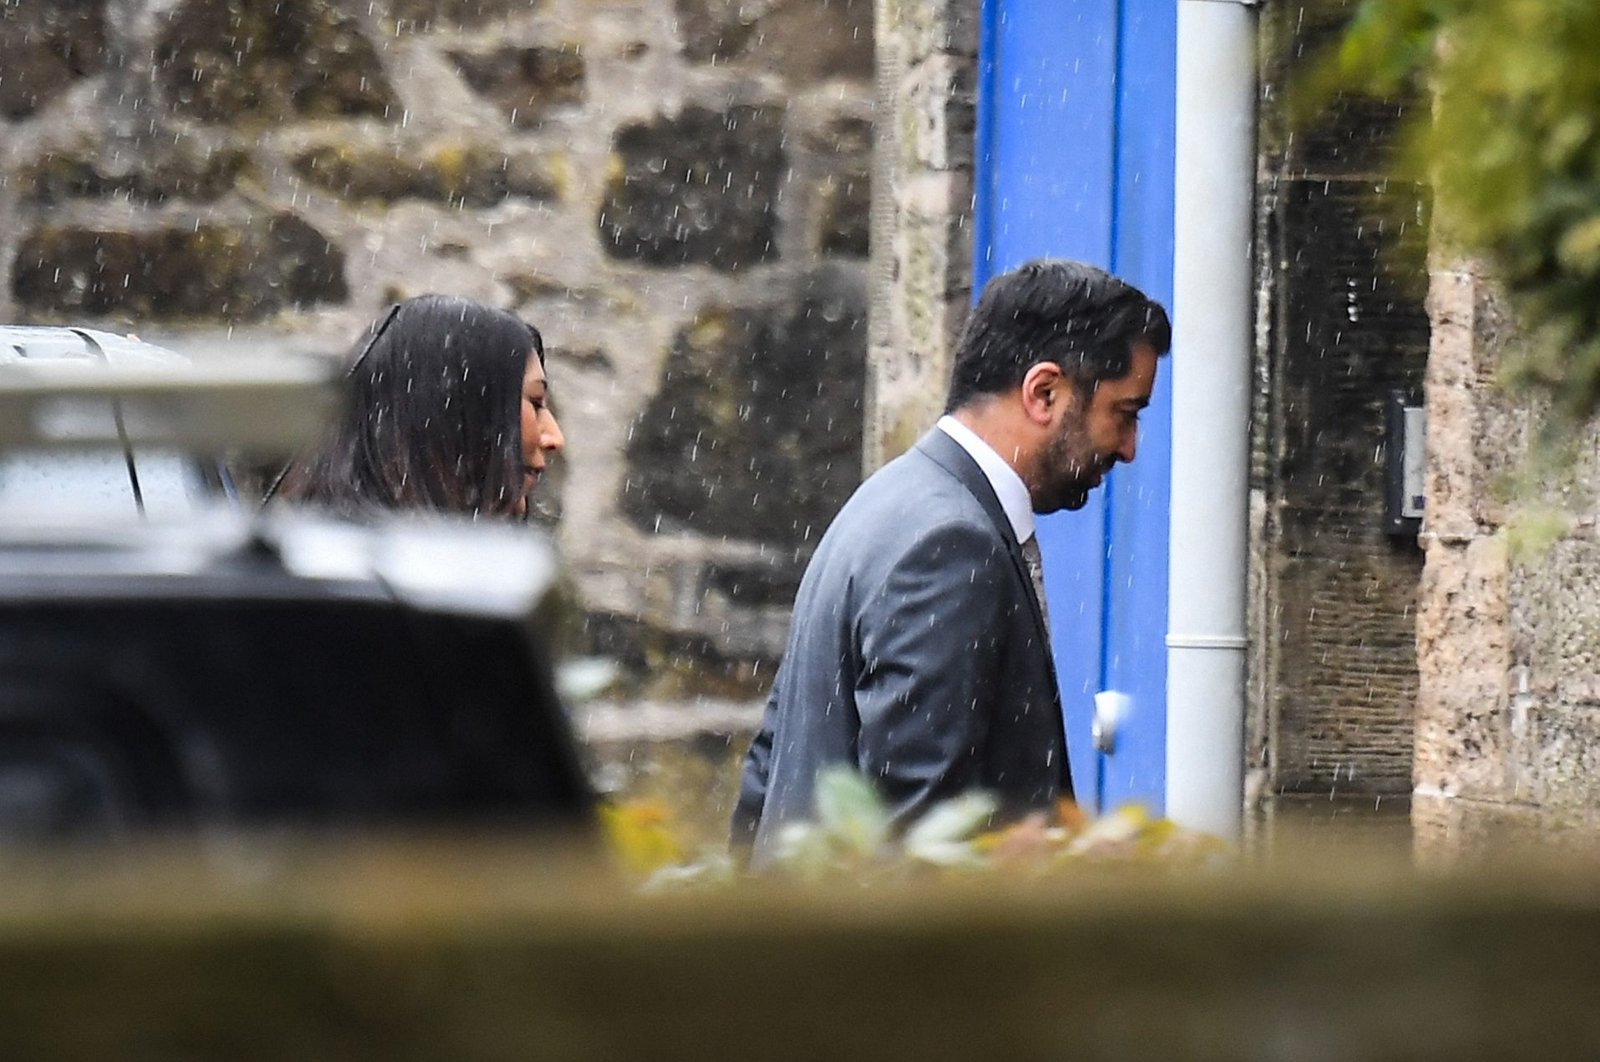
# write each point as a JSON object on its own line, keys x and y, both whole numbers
{"x": 953, "y": 458}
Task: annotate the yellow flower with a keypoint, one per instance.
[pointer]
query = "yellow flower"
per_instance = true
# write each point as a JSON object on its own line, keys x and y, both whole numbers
{"x": 642, "y": 835}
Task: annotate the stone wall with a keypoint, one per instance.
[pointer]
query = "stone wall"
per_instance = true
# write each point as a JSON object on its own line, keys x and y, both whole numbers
{"x": 1342, "y": 324}
{"x": 675, "y": 191}
{"x": 1508, "y": 629}
{"x": 922, "y": 205}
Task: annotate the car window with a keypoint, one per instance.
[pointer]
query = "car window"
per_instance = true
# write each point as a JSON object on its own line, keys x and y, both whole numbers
{"x": 37, "y": 482}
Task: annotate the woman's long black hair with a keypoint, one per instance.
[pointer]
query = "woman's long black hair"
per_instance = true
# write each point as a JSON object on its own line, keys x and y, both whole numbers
{"x": 432, "y": 417}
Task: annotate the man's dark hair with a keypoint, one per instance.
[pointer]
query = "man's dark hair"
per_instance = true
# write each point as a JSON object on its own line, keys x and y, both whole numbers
{"x": 432, "y": 416}
{"x": 1082, "y": 318}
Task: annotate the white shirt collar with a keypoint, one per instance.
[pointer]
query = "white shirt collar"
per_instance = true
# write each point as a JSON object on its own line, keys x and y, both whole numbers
{"x": 1008, "y": 486}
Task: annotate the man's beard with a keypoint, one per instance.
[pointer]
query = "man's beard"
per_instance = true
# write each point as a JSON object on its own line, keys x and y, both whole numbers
{"x": 1071, "y": 470}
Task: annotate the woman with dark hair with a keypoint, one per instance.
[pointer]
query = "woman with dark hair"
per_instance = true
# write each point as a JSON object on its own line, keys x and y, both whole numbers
{"x": 446, "y": 410}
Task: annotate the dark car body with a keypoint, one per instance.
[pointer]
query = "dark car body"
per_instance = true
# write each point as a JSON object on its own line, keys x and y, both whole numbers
{"x": 174, "y": 660}
{"x": 240, "y": 673}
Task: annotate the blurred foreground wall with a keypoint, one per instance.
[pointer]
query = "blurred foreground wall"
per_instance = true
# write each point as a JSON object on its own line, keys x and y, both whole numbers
{"x": 483, "y": 955}
{"x": 674, "y": 191}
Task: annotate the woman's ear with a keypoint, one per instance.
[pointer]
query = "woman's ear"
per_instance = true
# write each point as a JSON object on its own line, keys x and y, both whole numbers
{"x": 1044, "y": 390}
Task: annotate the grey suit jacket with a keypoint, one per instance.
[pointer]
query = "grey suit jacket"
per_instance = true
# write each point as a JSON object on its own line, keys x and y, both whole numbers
{"x": 917, "y": 653}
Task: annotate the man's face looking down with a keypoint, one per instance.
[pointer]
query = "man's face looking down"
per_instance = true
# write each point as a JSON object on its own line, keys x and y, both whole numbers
{"x": 1093, "y": 432}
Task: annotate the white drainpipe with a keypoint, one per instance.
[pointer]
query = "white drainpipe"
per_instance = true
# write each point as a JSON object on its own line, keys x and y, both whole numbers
{"x": 1213, "y": 335}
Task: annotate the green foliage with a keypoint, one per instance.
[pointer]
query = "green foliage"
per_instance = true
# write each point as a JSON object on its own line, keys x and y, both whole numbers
{"x": 851, "y": 828}
{"x": 852, "y": 838}
{"x": 1511, "y": 147}
{"x": 1533, "y": 531}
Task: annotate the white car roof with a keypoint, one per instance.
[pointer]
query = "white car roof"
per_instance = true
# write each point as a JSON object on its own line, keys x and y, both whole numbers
{"x": 34, "y": 343}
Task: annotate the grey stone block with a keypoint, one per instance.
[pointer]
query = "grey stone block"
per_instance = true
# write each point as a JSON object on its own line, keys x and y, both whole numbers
{"x": 697, "y": 188}
{"x": 45, "y": 48}
{"x": 218, "y": 272}
{"x": 236, "y": 60}
{"x": 755, "y": 431}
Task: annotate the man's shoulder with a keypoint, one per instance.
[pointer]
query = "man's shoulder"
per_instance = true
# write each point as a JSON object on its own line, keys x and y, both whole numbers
{"x": 916, "y": 485}
{"x": 902, "y": 503}
{"x": 934, "y": 458}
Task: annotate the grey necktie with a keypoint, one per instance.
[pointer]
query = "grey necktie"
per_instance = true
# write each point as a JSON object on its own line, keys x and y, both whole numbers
{"x": 1030, "y": 554}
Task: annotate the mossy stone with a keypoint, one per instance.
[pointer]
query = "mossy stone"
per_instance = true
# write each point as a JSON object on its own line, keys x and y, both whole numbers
{"x": 803, "y": 39}
{"x": 457, "y": 174}
{"x": 238, "y": 60}
{"x": 526, "y": 84}
{"x": 700, "y": 188}
{"x": 756, "y": 430}
{"x": 201, "y": 178}
{"x": 425, "y": 15}
{"x": 210, "y": 272}
{"x": 45, "y": 47}
{"x": 657, "y": 663}
{"x": 844, "y": 194}
{"x": 714, "y": 30}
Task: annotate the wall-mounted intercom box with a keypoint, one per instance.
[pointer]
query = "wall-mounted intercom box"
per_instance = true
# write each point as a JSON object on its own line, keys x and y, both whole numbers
{"x": 1405, "y": 450}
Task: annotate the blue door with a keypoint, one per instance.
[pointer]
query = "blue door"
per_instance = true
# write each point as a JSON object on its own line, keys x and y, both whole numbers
{"x": 1076, "y": 103}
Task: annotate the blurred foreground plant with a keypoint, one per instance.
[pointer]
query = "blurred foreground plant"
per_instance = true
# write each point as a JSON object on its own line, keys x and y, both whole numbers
{"x": 852, "y": 838}
{"x": 1511, "y": 148}
{"x": 642, "y": 835}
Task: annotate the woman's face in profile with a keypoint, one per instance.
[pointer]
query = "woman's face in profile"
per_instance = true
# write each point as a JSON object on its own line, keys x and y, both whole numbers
{"x": 541, "y": 435}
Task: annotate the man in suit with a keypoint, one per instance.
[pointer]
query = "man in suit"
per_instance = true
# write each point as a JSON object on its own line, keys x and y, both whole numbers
{"x": 919, "y": 650}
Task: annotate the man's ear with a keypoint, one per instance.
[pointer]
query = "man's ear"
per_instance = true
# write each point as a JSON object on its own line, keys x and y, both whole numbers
{"x": 1046, "y": 393}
